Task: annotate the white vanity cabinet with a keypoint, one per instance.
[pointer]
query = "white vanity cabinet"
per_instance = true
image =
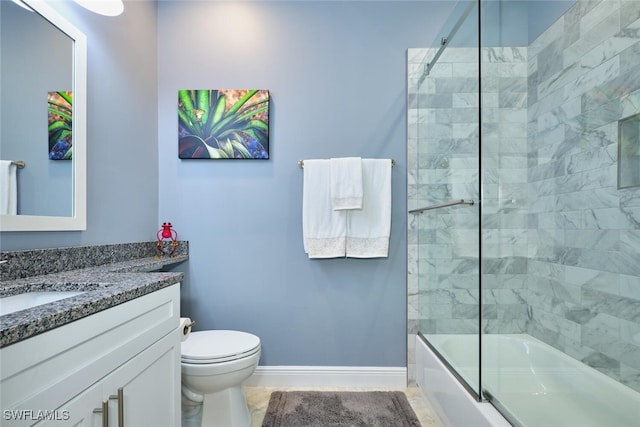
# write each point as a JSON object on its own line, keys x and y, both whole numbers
{"x": 125, "y": 359}
{"x": 78, "y": 412}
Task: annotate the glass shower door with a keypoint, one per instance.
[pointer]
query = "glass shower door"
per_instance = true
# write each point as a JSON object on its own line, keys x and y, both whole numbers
{"x": 505, "y": 212}
{"x": 448, "y": 189}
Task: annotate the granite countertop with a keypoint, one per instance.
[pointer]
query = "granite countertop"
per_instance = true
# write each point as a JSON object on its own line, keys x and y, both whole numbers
{"x": 104, "y": 286}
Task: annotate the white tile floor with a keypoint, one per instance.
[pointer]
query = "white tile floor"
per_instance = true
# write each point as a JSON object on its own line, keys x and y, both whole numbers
{"x": 258, "y": 400}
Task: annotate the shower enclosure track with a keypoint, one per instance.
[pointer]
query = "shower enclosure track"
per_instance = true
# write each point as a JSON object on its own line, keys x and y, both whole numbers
{"x": 442, "y": 205}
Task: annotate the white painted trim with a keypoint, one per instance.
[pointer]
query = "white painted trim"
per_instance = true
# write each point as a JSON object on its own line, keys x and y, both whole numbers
{"x": 329, "y": 376}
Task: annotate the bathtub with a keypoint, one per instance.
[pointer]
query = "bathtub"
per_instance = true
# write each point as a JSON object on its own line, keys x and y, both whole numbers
{"x": 534, "y": 384}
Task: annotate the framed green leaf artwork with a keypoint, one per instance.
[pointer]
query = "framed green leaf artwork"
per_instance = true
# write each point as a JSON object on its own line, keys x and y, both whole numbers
{"x": 223, "y": 124}
{"x": 60, "y": 119}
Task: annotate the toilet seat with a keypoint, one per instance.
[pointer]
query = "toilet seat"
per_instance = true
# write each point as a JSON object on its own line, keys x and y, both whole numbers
{"x": 209, "y": 347}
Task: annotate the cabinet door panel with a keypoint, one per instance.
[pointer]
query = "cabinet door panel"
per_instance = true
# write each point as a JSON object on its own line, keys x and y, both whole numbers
{"x": 151, "y": 386}
{"x": 78, "y": 412}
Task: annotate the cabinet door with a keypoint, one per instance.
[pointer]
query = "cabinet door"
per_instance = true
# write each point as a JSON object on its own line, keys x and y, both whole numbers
{"x": 78, "y": 412}
{"x": 150, "y": 384}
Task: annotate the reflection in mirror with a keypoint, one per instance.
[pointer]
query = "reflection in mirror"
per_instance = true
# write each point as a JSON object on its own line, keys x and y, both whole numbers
{"x": 43, "y": 95}
{"x": 32, "y": 72}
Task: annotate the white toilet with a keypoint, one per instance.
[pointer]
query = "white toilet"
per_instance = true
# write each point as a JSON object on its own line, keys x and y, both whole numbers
{"x": 214, "y": 366}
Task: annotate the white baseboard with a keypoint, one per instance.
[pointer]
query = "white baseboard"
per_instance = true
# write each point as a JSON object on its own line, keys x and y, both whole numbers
{"x": 328, "y": 376}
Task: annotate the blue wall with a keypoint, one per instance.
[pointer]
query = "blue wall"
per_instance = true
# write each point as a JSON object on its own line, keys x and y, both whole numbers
{"x": 543, "y": 13}
{"x": 504, "y": 23}
{"x": 336, "y": 72}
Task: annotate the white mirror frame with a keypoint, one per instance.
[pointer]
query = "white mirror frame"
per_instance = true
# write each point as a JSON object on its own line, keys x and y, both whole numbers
{"x": 78, "y": 220}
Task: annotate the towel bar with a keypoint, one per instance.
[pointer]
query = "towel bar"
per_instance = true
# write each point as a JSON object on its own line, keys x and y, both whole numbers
{"x": 301, "y": 163}
{"x": 19, "y": 164}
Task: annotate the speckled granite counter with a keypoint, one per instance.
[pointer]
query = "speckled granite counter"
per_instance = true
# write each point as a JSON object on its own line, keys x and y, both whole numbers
{"x": 103, "y": 286}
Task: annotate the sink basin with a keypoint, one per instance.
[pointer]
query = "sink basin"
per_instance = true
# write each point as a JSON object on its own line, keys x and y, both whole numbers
{"x": 26, "y": 300}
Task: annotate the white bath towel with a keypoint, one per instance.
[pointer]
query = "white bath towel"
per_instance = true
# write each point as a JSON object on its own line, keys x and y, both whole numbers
{"x": 368, "y": 229}
{"x": 346, "y": 183}
{"x": 324, "y": 230}
{"x": 8, "y": 188}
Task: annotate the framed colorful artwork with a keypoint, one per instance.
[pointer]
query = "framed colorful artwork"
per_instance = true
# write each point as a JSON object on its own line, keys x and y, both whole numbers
{"x": 223, "y": 124}
{"x": 60, "y": 118}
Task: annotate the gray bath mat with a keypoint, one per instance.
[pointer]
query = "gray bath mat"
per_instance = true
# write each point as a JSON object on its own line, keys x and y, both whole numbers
{"x": 339, "y": 409}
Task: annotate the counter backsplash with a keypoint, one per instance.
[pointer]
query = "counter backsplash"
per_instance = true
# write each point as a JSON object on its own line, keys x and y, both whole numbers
{"x": 54, "y": 260}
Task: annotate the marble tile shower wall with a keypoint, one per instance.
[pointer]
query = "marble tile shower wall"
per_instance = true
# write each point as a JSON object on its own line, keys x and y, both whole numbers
{"x": 415, "y": 64}
{"x": 443, "y": 151}
{"x": 504, "y": 189}
{"x": 447, "y": 169}
{"x": 584, "y": 237}
{"x": 560, "y": 241}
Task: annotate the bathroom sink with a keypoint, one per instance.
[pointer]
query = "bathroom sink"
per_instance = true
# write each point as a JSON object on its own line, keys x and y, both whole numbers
{"x": 26, "y": 300}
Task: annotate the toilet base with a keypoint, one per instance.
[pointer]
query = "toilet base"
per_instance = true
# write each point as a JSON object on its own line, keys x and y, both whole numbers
{"x": 193, "y": 418}
{"x": 226, "y": 408}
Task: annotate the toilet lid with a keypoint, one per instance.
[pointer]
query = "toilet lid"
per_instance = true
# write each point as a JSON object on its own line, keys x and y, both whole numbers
{"x": 216, "y": 346}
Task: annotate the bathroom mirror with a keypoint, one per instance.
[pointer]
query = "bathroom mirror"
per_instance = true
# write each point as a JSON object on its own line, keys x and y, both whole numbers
{"x": 42, "y": 55}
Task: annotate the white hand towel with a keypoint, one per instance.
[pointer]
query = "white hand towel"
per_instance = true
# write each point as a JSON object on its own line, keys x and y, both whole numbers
{"x": 324, "y": 230}
{"x": 8, "y": 188}
{"x": 368, "y": 229}
{"x": 346, "y": 183}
